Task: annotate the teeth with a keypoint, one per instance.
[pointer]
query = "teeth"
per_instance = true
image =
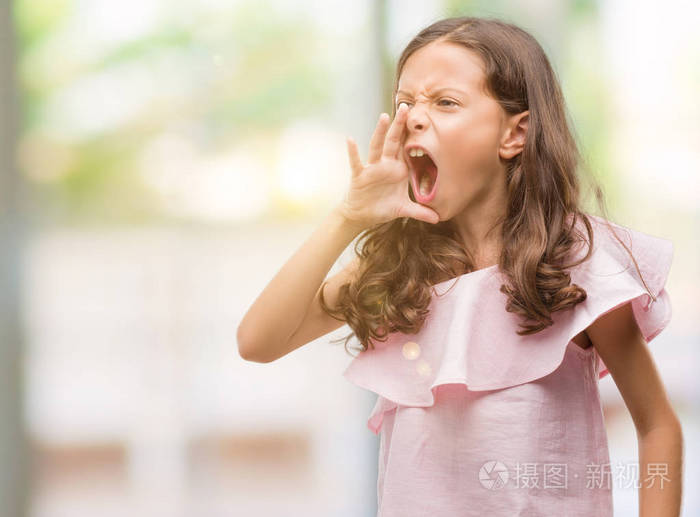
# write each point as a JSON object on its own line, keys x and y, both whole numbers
{"x": 416, "y": 152}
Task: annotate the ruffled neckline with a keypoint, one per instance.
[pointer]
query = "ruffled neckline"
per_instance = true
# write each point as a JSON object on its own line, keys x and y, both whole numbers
{"x": 469, "y": 338}
{"x": 465, "y": 275}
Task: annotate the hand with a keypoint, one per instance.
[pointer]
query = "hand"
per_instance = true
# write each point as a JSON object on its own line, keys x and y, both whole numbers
{"x": 378, "y": 191}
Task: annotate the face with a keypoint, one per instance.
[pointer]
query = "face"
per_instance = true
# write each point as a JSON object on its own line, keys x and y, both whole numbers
{"x": 466, "y": 131}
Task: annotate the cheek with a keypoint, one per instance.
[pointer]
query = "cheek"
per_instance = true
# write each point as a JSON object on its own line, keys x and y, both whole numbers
{"x": 471, "y": 145}
{"x": 471, "y": 161}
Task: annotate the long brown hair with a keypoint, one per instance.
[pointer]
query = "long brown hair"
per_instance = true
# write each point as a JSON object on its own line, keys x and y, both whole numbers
{"x": 401, "y": 260}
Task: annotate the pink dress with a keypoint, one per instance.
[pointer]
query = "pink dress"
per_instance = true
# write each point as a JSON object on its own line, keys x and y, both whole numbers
{"x": 476, "y": 420}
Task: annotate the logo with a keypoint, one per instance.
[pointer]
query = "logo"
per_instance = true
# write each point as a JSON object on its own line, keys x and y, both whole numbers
{"x": 493, "y": 475}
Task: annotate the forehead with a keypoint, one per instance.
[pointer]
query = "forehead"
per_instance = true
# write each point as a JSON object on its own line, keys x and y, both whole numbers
{"x": 442, "y": 65}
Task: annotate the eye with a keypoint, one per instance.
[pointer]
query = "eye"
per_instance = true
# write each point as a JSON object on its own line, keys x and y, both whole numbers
{"x": 450, "y": 103}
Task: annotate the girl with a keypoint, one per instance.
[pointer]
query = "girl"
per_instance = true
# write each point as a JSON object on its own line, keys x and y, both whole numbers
{"x": 487, "y": 303}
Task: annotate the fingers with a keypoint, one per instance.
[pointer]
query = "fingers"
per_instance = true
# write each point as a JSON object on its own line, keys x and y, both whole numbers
{"x": 377, "y": 142}
{"x": 421, "y": 213}
{"x": 354, "y": 157}
{"x": 386, "y": 140}
{"x": 393, "y": 137}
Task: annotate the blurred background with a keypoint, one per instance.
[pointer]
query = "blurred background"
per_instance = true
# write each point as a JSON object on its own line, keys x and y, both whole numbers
{"x": 160, "y": 161}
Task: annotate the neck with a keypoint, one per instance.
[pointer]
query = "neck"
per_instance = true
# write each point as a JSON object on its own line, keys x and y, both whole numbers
{"x": 479, "y": 230}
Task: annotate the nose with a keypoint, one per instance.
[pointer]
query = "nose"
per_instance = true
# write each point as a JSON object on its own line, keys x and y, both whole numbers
{"x": 417, "y": 118}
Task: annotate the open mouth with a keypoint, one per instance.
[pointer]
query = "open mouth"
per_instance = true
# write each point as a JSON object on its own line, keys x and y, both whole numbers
{"x": 424, "y": 175}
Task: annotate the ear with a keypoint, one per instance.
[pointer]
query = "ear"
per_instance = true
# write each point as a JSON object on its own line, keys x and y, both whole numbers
{"x": 514, "y": 135}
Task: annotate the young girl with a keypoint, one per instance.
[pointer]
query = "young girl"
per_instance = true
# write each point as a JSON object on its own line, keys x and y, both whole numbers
{"x": 487, "y": 303}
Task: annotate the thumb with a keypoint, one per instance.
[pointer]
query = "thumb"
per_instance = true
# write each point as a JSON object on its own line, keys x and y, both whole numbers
{"x": 422, "y": 213}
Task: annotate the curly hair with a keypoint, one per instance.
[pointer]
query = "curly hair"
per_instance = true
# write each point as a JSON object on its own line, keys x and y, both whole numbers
{"x": 402, "y": 259}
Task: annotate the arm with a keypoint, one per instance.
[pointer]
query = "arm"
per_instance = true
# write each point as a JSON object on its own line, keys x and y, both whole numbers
{"x": 287, "y": 313}
{"x": 264, "y": 334}
{"x": 624, "y": 351}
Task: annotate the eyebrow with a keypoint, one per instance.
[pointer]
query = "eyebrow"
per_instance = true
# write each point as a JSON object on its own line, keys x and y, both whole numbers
{"x": 439, "y": 90}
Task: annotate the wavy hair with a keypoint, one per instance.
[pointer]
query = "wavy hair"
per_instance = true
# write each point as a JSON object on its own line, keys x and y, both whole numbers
{"x": 402, "y": 259}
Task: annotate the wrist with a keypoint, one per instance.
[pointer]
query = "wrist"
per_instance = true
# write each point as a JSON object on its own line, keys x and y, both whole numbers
{"x": 351, "y": 225}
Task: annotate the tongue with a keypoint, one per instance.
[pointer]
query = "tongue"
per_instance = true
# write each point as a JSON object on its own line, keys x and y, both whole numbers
{"x": 426, "y": 176}
{"x": 425, "y": 184}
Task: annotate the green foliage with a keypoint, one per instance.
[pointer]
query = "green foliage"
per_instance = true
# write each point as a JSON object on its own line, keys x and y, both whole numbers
{"x": 37, "y": 19}
{"x": 271, "y": 70}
